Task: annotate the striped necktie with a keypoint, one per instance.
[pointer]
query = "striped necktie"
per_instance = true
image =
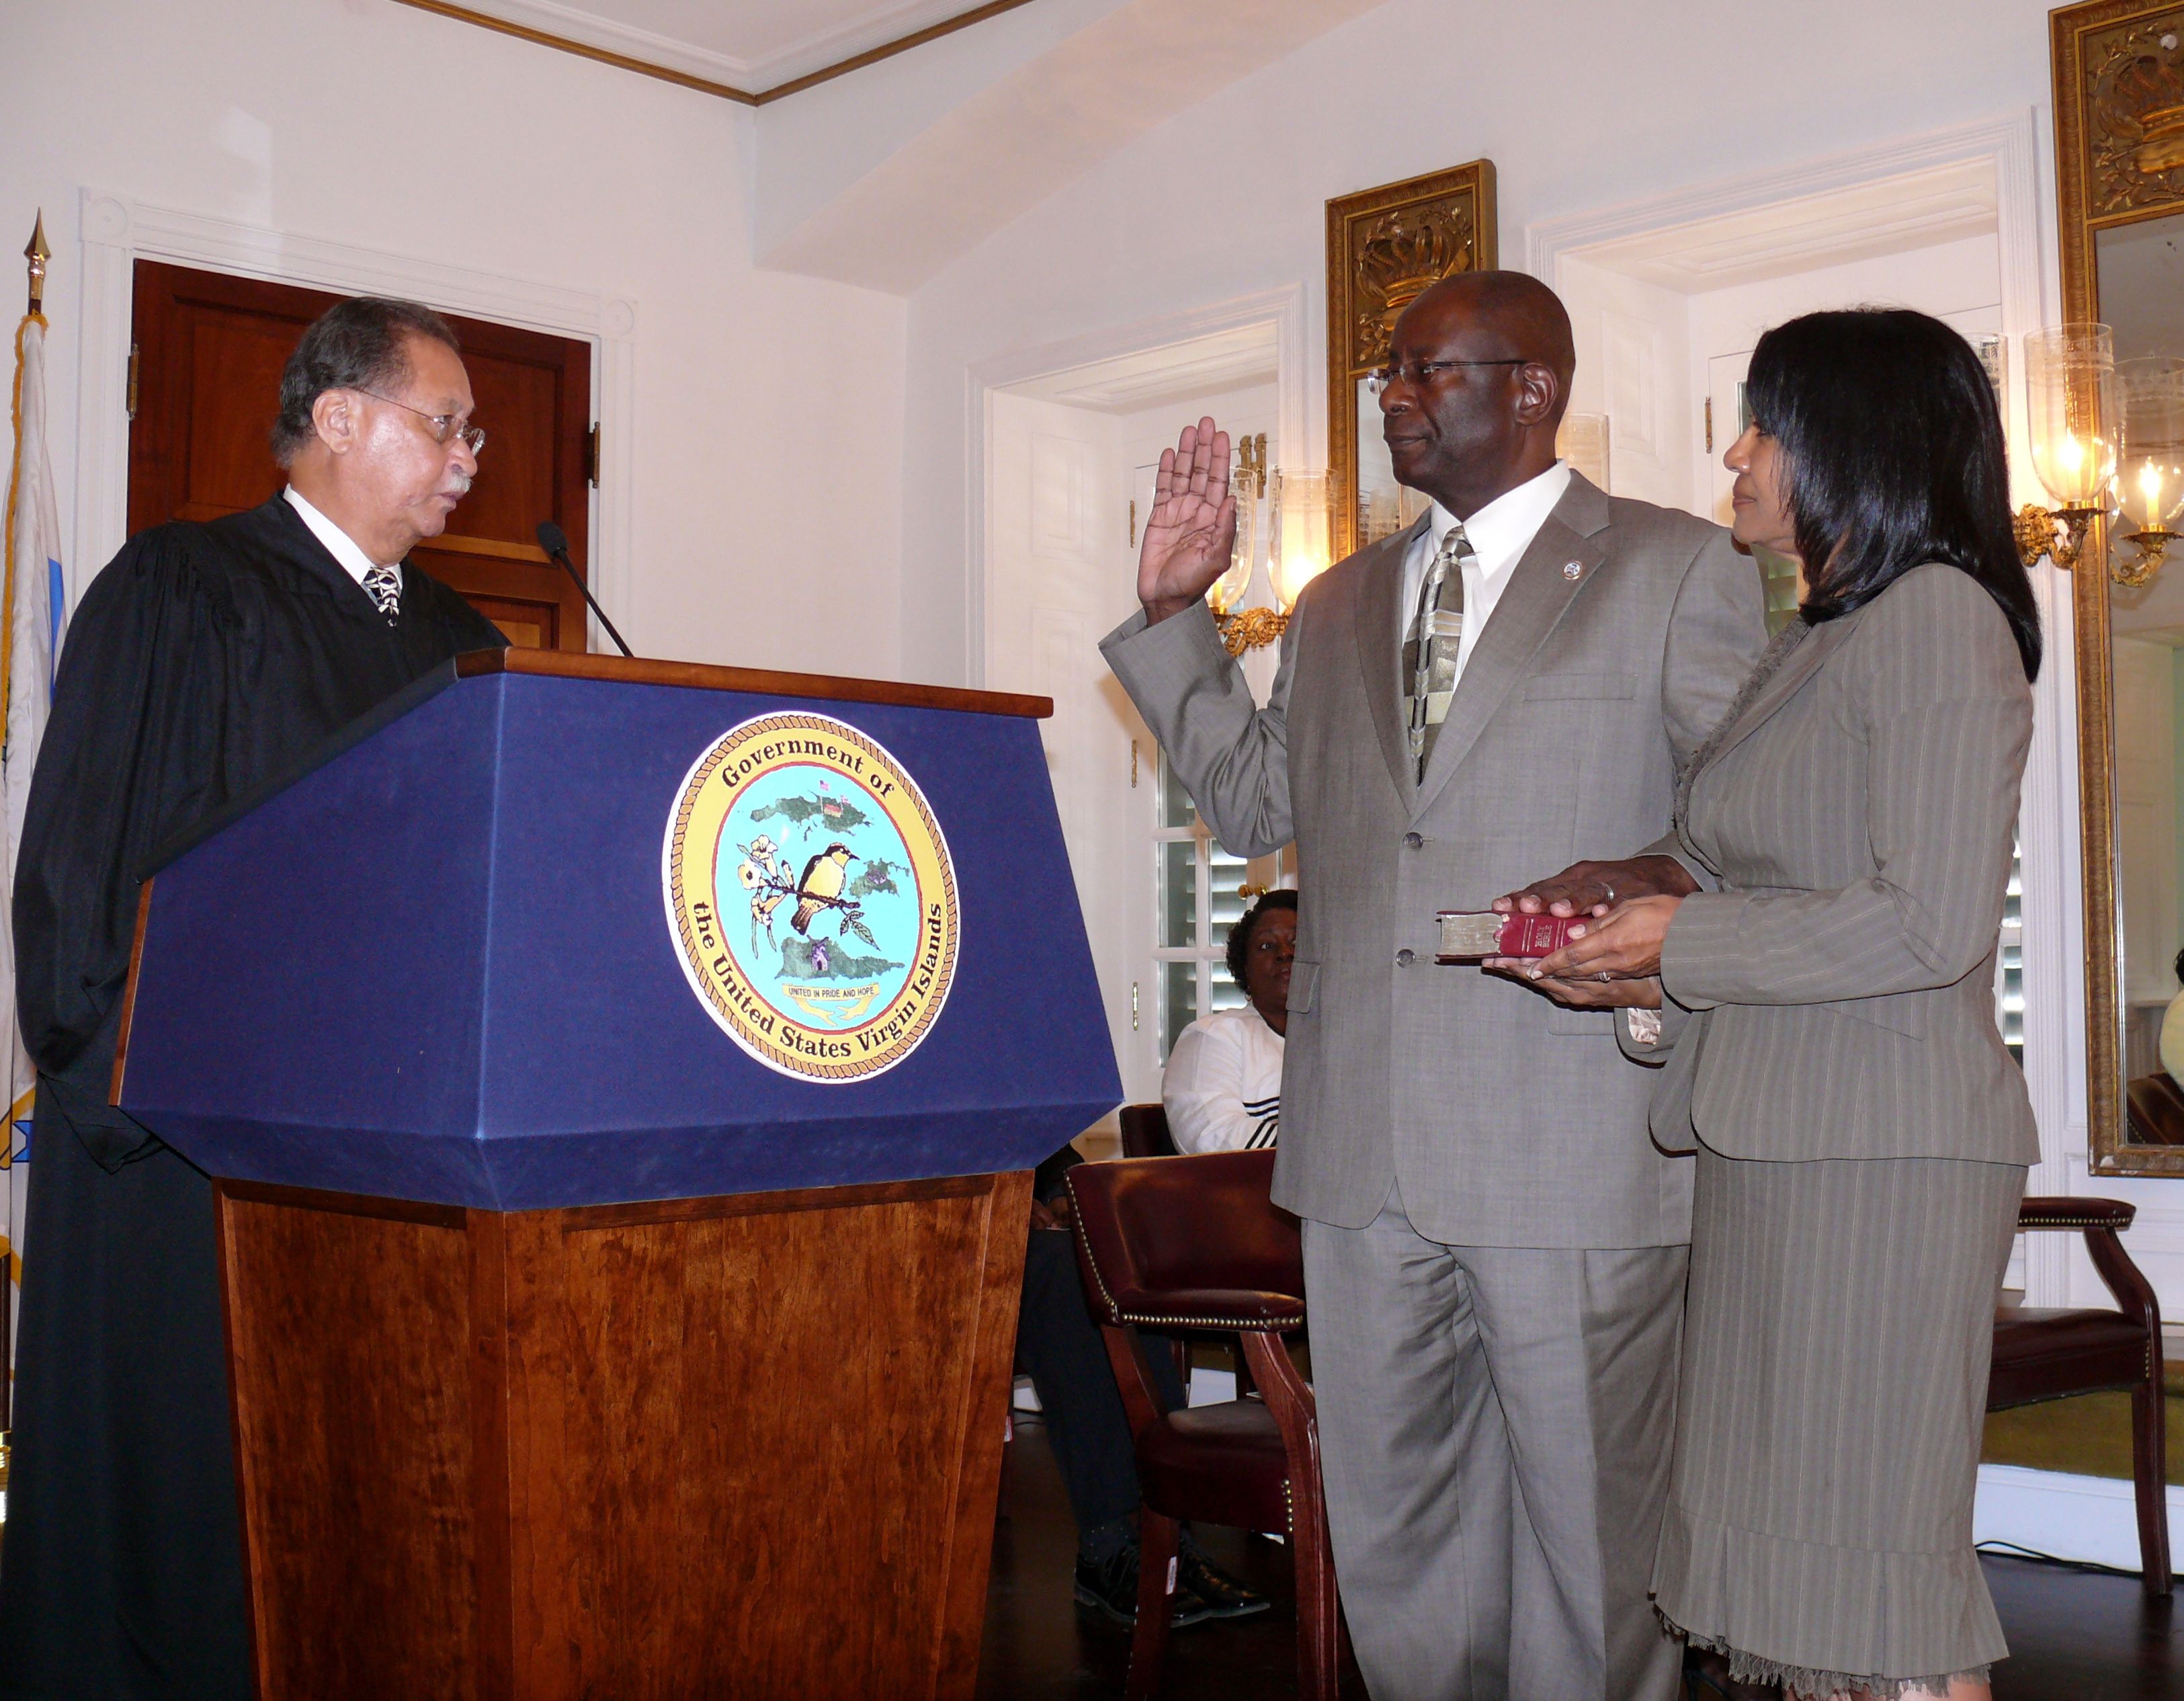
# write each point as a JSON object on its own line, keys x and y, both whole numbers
{"x": 1436, "y": 638}
{"x": 383, "y": 585}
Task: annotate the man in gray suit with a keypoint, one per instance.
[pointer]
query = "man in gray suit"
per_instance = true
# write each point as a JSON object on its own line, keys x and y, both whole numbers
{"x": 1495, "y": 1250}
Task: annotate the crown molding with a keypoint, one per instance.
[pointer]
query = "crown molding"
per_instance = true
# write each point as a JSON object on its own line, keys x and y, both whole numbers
{"x": 2010, "y": 141}
{"x": 569, "y": 30}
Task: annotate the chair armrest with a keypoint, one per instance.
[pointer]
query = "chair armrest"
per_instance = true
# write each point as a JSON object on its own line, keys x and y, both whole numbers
{"x": 1211, "y": 1307}
{"x": 2099, "y": 1219}
{"x": 2074, "y": 1213}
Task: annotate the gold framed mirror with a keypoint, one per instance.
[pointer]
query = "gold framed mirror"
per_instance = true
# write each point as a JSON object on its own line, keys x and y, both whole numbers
{"x": 2119, "y": 70}
{"x": 1384, "y": 246}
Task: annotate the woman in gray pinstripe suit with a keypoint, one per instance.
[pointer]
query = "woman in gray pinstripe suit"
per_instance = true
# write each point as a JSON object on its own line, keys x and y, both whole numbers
{"x": 1825, "y": 1008}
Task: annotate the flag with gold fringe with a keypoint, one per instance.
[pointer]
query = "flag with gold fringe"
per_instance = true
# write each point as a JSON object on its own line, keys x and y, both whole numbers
{"x": 36, "y": 601}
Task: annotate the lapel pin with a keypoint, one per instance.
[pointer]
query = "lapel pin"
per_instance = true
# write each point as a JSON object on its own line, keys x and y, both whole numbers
{"x": 1571, "y": 569}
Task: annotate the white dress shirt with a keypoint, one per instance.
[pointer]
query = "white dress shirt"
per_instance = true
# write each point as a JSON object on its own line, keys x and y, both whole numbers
{"x": 1499, "y": 533}
{"x": 342, "y": 547}
{"x": 1223, "y": 1088}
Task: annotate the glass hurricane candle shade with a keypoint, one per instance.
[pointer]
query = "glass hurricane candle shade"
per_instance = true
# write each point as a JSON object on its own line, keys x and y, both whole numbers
{"x": 2153, "y": 491}
{"x": 2150, "y": 487}
{"x": 1228, "y": 589}
{"x": 2072, "y": 403}
{"x": 1300, "y": 533}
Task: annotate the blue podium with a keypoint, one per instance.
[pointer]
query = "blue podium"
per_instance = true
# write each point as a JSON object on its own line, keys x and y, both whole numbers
{"x": 620, "y": 1078}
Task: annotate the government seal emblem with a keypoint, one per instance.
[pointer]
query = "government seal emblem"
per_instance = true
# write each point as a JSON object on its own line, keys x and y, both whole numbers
{"x": 811, "y": 897}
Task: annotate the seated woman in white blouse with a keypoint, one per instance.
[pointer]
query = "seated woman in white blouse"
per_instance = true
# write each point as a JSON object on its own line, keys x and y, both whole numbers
{"x": 1223, "y": 1090}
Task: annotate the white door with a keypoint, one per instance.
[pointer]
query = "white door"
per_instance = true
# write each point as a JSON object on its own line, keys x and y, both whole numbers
{"x": 1056, "y": 527}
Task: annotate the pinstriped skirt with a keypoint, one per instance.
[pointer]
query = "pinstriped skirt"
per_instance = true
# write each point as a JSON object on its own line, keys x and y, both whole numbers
{"x": 1834, "y": 1368}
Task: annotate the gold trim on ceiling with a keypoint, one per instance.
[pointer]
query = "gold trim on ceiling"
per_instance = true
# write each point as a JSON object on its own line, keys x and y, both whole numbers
{"x": 607, "y": 56}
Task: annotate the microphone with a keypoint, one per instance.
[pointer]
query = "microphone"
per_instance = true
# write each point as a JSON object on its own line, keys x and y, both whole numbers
{"x": 555, "y": 543}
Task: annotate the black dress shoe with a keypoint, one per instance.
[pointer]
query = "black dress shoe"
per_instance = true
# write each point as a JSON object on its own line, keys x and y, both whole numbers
{"x": 1110, "y": 1588}
{"x": 1224, "y": 1597}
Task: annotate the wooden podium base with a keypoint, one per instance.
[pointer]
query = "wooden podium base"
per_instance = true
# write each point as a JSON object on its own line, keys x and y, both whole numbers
{"x": 740, "y": 1446}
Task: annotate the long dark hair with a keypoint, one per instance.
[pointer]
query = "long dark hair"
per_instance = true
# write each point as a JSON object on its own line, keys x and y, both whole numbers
{"x": 1892, "y": 457}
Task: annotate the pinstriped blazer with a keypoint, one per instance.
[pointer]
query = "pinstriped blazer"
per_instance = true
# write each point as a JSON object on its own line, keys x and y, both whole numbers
{"x": 1835, "y": 997}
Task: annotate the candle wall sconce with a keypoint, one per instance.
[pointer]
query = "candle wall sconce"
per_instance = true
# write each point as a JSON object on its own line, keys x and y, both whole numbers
{"x": 1299, "y": 524}
{"x": 2071, "y": 403}
{"x": 2150, "y": 482}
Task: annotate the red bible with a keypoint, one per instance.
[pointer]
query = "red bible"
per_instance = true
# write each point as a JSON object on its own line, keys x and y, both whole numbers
{"x": 1467, "y": 935}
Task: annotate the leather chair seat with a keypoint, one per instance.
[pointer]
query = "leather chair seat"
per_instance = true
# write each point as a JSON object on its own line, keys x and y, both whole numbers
{"x": 1195, "y": 1243}
{"x": 1223, "y": 1464}
{"x": 2045, "y": 1355}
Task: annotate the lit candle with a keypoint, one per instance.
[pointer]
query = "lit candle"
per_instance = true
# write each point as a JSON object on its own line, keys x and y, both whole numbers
{"x": 1298, "y": 571}
{"x": 1302, "y": 547}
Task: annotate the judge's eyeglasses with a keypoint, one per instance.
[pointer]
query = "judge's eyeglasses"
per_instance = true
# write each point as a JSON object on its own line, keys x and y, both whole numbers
{"x": 442, "y": 426}
{"x": 1418, "y": 371}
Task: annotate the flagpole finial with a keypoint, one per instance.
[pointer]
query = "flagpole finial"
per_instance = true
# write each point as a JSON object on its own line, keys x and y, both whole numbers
{"x": 38, "y": 253}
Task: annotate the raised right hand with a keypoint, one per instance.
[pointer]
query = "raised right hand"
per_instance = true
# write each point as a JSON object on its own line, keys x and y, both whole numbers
{"x": 1190, "y": 535}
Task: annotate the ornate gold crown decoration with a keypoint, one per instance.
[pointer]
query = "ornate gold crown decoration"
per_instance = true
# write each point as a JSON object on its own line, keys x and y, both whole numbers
{"x": 2134, "y": 111}
{"x": 1406, "y": 253}
{"x": 2149, "y": 97}
{"x": 1408, "y": 250}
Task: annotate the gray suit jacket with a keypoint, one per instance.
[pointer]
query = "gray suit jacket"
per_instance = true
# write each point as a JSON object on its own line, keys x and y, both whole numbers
{"x": 1836, "y": 998}
{"x": 1618, "y": 643}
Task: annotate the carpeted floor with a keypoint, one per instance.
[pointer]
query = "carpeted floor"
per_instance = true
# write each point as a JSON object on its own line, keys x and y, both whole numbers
{"x": 2088, "y": 1435}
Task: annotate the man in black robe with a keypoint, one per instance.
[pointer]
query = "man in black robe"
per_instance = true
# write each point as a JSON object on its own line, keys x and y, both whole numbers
{"x": 204, "y": 660}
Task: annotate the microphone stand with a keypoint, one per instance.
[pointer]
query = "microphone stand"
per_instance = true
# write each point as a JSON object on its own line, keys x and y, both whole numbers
{"x": 555, "y": 543}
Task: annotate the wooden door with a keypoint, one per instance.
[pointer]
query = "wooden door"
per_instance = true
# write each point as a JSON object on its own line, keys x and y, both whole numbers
{"x": 210, "y": 350}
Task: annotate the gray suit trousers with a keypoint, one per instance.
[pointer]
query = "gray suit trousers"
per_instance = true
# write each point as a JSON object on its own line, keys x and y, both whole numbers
{"x": 1540, "y": 1383}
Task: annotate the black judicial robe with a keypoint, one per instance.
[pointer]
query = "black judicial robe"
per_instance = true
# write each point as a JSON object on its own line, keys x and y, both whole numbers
{"x": 205, "y": 660}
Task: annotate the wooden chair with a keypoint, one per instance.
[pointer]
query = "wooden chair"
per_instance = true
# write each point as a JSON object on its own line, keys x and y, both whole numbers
{"x": 1145, "y": 1132}
{"x": 1195, "y": 1243}
{"x": 2047, "y": 1354}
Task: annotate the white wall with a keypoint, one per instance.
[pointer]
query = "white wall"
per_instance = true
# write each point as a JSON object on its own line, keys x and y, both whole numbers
{"x": 1579, "y": 103}
{"x": 768, "y": 408}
